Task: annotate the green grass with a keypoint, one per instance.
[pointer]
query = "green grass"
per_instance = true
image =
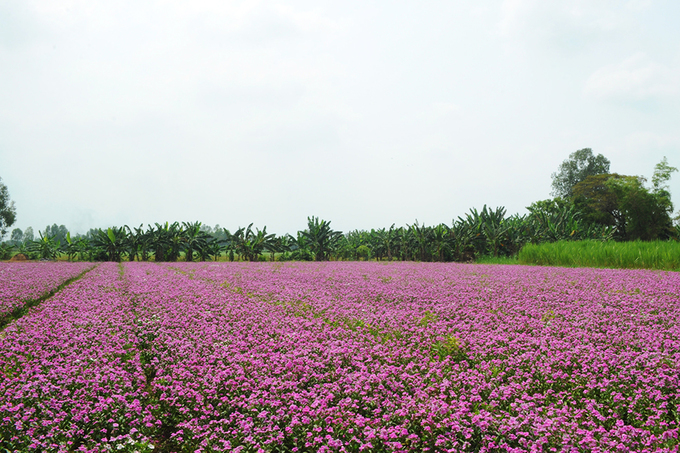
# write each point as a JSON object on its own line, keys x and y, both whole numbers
{"x": 497, "y": 260}
{"x": 626, "y": 255}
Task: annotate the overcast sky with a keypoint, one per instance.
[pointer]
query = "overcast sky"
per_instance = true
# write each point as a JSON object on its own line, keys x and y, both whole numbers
{"x": 361, "y": 112}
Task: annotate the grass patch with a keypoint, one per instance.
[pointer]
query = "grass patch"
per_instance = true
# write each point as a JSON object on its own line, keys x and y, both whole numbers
{"x": 497, "y": 260}
{"x": 663, "y": 255}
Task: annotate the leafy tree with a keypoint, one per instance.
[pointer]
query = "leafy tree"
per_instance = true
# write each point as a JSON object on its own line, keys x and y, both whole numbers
{"x": 28, "y": 235}
{"x": 596, "y": 202}
{"x": 576, "y": 168}
{"x": 644, "y": 215}
{"x": 622, "y": 201}
{"x": 660, "y": 189}
{"x": 17, "y": 236}
{"x": 8, "y": 212}
{"x": 58, "y": 233}
{"x": 550, "y": 207}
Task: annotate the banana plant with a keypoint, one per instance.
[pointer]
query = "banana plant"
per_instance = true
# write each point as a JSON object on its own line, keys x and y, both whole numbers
{"x": 70, "y": 247}
{"x": 112, "y": 242}
{"x": 159, "y": 239}
{"x": 322, "y": 240}
{"x": 421, "y": 235}
{"x": 46, "y": 247}
{"x": 6, "y": 251}
{"x": 299, "y": 247}
{"x": 251, "y": 243}
{"x": 440, "y": 241}
{"x": 211, "y": 249}
{"x": 195, "y": 240}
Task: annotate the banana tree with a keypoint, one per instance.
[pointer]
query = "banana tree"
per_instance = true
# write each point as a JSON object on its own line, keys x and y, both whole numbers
{"x": 299, "y": 247}
{"x": 322, "y": 240}
{"x": 229, "y": 244}
{"x": 440, "y": 241}
{"x": 251, "y": 243}
{"x": 70, "y": 247}
{"x": 6, "y": 251}
{"x": 138, "y": 243}
{"x": 211, "y": 249}
{"x": 421, "y": 235}
{"x": 113, "y": 242}
{"x": 176, "y": 240}
{"x": 194, "y": 240}
{"x": 159, "y": 240}
{"x": 46, "y": 247}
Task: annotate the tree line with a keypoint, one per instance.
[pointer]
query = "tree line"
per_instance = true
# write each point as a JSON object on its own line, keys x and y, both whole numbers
{"x": 589, "y": 203}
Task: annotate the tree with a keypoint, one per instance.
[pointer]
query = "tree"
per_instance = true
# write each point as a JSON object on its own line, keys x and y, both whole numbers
{"x": 643, "y": 216}
{"x": 8, "y": 212}
{"x": 321, "y": 239}
{"x": 597, "y": 203}
{"x": 58, "y": 233}
{"x": 660, "y": 189}
{"x": 622, "y": 201}
{"x": 17, "y": 236}
{"x": 111, "y": 242}
{"x": 28, "y": 235}
{"x": 46, "y": 247}
{"x": 195, "y": 239}
{"x": 576, "y": 168}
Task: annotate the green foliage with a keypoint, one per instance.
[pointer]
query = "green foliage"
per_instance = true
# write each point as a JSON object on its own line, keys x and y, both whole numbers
{"x": 576, "y": 168}
{"x": 624, "y": 203}
{"x": 58, "y": 232}
{"x": 17, "y": 236}
{"x": 451, "y": 347}
{"x": 251, "y": 243}
{"x": 110, "y": 245}
{"x": 320, "y": 238}
{"x": 497, "y": 260}
{"x": 630, "y": 255}
{"x": 6, "y": 251}
{"x": 46, "y": 247}
{"x": 195, "y": 240}
{"x": 8, "y": 211}
{"x": 363, "y": 252}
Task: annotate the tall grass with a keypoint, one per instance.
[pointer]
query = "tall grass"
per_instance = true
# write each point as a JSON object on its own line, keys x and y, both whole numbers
{"x": 628, "y": 255}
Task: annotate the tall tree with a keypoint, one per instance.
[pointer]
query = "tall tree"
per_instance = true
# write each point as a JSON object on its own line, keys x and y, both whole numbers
{"x": 576, "y": 168}
{"x": 28, "y": 235}
{"x": 17, "y": 236}
{"x": 8, "y": 212}
{"x": 636, "y": 211}
{"x": 58, "y": 233}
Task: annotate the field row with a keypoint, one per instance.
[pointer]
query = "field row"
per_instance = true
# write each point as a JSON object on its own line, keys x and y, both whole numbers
{"x": 346, "y": 357}
{"x": 23, "y": 283}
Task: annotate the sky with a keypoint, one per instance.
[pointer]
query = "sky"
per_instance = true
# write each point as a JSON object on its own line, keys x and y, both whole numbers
{"x": 361, "y": 112}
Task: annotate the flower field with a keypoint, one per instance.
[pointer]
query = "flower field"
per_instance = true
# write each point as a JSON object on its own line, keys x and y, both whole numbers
{"x": 339, "y": 356}
{"x": 24, "y": 282}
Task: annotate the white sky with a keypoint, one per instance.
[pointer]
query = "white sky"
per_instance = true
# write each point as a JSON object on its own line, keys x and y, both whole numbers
{"x": 361, "y": 112}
